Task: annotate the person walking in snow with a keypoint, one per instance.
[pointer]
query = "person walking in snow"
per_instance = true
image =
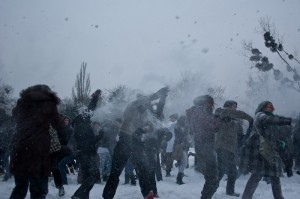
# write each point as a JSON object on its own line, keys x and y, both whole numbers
{"x": 134, "y": 118}
{"x": 170, "y": 145}
{"x": 180, "y": 148}
{"x": 204, "y": 125}
{"x": 35, "y": 111}
{"x": 265, "y": 127}
{"x": 86, "y": 149}
{"x": 226, "y": 142}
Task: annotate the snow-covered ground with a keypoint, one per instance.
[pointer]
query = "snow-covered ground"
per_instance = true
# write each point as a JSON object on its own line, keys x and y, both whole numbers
{"x": 168, "y": 189}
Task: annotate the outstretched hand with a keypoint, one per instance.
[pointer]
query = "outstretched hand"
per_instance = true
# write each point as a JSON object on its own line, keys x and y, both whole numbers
{"x": 97, "y": 92}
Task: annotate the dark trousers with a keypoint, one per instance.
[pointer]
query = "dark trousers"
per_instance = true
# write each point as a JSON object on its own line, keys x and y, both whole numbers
{"x": 120, "y": 157}
{"x": 227, "y": 164}
{"x": 89, "y": 165}
{"x": 123, "y": 151}
{"x": 54, "y": 159}
{"x": 129, "y": 172}
{"x": 38, "y": 187}
{"x": 253, "y": 183}
{"x": 158, "y": 172}
{"x": 169, "y": 162}
{"x": 209, "y": 166}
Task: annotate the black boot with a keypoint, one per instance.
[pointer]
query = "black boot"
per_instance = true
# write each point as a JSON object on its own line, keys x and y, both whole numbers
{"x": 168, "y": 174}
{"x": 133, "y": 180}
{"x": 230, "y": 187}
{"x": 179, "y": 178}
{"x": 61, "y": 191}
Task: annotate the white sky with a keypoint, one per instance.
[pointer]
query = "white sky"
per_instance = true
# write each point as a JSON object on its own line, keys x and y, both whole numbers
{"x": 142, "y": 44}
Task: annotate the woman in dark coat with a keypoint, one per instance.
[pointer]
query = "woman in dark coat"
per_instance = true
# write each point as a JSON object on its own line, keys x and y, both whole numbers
{"x": 35, "y": 111}
{"x": 266, "y": 125}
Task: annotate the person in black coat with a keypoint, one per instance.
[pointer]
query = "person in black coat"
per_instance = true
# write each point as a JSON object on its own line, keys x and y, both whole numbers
{"x": 147, "y": 143}
{"x": 35, "y": 111}
{"x": 86, "y": 151}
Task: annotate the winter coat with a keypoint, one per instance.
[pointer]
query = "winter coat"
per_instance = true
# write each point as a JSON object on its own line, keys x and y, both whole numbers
{"x": 86, "y": 140}
{"x": 181, "y": 139}
{"x": 30, "y": 148}
{"x": 296, "y": 138}
{"x": 203, "y": 124}
{"x": 230, "y": 128}
{"x": 65, "y": 135}
{"x": 267, "y": 125}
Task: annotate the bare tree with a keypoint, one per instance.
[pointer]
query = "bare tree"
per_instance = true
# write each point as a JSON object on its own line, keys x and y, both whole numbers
{"x": 82, "y": 89}
{"x": 290, "y": 77}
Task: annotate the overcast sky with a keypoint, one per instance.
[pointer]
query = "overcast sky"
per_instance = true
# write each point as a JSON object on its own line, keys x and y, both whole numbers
{"x": 142, "y": 44}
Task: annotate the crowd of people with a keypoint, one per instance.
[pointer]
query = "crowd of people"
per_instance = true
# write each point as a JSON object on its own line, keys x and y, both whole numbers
{"x": 37, "y": 141}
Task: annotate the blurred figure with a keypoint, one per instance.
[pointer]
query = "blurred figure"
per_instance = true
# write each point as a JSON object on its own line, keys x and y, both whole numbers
{"x": 226, "y": 142}
{"x": 35, "y": 111}
{"x": 106, "y": 146}
{"x": 134, "y": 118}
{"x": 266, "y": 124}
{"x": 296, "y": 144}
{"x": 204, "y": 125}
{"x": 170, "y": 144}
{"x": 86, "y": 150}
{"x": 129, "y": 173}
{"x": 56, "y": 154}
{"x": 180, "y": 148}
{"x": 67, "y": 155}
{"x": 7, "y": 126}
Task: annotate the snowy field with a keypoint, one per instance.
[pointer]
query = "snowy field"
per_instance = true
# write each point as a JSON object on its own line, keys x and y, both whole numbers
{"x": 168, "y": 189}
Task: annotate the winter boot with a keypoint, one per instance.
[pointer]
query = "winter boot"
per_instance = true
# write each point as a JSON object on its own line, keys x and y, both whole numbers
{"x": 179, "y": 178}
{"x": 168, "y": 174}
{"x": 61, "y": 191}
{"x": 133, "y": 180}
{"x": 230, "y": 187}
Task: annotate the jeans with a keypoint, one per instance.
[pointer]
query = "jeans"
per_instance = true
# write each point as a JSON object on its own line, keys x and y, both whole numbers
{"x": 62, "y": 167}
{"x": 105, "y": 163}
{"x": 129, "y": 174}
{"x": 38, "y": 187}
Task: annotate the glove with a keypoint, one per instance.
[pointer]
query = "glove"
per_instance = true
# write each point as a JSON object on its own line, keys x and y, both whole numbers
{"x": 97, "y": 92}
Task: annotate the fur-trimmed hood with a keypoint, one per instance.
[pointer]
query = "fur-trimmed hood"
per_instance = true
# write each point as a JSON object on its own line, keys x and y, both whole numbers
{"x": 39, "y": 92}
